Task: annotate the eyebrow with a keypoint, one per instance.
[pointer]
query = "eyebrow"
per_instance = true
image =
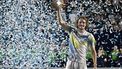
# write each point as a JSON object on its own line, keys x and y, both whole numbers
{"x": 82, "y": 20}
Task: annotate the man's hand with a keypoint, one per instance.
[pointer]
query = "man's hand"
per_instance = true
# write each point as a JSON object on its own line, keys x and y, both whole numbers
{"x": 95, "y": 66}
{"x": 55, "y": 5}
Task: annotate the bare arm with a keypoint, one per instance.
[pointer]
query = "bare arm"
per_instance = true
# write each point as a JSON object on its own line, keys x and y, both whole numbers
{"x": 92, "y": 43}
{"x": 61, "y": 21}
{"x": 94, "y": 56}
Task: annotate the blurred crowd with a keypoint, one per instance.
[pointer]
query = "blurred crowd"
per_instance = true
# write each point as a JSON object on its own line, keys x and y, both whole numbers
{"x": 31, "y": 38}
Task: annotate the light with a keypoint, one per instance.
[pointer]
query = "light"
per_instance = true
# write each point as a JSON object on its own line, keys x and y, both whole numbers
{"x": 58, "y": 2}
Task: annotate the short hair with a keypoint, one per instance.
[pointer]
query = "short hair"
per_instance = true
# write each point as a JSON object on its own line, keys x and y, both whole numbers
{"x": 82, "y": 17}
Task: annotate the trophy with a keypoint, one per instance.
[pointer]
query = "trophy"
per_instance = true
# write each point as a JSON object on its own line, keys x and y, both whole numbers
{"x": 57, "y": 4}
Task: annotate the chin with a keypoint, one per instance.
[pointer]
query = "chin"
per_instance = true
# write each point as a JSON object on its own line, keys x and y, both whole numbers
{"x": 81, "y": 28}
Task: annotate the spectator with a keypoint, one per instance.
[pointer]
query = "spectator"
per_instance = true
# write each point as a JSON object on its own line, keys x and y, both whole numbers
{"x": 114, "y": 55}
{"x": 101, "y": 57}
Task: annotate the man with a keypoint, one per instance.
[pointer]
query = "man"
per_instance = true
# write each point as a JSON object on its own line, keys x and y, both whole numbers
{"x": 80, "y": 41}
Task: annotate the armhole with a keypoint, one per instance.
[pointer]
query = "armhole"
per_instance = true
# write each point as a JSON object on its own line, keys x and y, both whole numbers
{"x": 71, "y": 29}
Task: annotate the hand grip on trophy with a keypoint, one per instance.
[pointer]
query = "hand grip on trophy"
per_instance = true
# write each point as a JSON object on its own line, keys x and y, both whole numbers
{"x": 54, "y": 5}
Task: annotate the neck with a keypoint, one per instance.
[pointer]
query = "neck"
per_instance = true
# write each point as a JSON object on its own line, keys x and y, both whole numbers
{"x": 81, "y": 31}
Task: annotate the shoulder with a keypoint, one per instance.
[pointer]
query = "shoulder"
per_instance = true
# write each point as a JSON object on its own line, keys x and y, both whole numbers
{"x": 89, "y": 34}
{"x": 72, "y": 29}
{"x": 91, "y": 39}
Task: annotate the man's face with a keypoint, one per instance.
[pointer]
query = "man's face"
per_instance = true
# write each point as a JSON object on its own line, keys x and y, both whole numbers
{"x": 81, "y": 24}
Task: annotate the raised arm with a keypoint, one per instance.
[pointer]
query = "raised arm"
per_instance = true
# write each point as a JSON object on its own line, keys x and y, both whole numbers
{"x": 58, "y": 8}
{"x": 61, "y": 21}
